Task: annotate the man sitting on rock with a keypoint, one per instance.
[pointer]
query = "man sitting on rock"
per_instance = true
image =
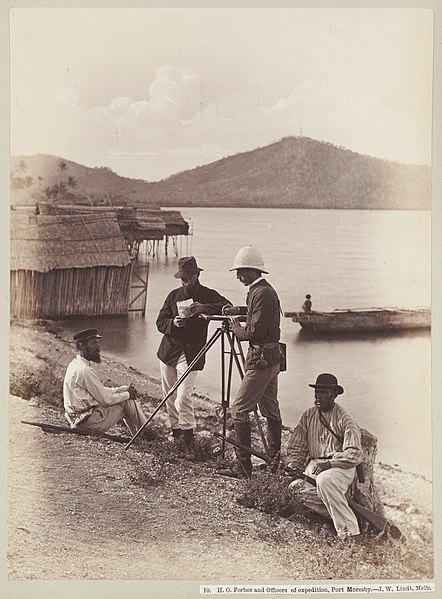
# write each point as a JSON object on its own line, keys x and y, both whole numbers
{"x": 87, "y": 402}
{"x": 326, "y": 445}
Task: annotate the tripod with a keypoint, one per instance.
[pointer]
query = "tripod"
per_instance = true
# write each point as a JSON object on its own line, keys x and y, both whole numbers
{"x": 236, "y": 355}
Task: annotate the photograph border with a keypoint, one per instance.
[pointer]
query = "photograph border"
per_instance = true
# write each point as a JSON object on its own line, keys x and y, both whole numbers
{"x": 93, "y": 589}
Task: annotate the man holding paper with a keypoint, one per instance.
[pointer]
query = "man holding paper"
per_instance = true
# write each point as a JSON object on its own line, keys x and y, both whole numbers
{"x": 184, "y": 335}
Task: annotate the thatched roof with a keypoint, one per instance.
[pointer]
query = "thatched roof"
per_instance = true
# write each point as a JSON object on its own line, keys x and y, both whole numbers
{"x": 43, "y": 243}
{"x": 174, "y": 222}
{"x": 135, "y": 221}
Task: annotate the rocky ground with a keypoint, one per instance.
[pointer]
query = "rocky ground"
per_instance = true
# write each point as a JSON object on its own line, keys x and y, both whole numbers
{"x": 82, "y": 508}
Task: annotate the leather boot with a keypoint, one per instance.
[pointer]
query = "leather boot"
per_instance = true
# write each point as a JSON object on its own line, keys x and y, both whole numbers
{"x": 149, "y": 434}
{"x": 274, "y": 430}
{"x": 174, "y": 435}
{"x": 189, "y": 451}
{"x": 243, "y": 467}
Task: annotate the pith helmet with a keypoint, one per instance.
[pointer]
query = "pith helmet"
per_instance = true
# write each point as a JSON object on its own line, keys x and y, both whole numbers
{"x": 249, "y": 257}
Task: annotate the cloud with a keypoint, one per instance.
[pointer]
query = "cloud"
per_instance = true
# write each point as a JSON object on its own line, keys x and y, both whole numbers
{"x": 171, "y": 123}
{"x": 173, "y": 97}
{"x": 66, "y": 97}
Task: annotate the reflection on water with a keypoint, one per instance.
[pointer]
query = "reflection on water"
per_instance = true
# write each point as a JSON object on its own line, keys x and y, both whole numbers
{"x": 345, "y": 259}
{"x": 312, "y": 337}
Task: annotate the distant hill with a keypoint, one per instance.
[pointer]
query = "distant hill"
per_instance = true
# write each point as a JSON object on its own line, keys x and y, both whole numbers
{"x": 100, "y": 184}
{"x": 296, "y": 172}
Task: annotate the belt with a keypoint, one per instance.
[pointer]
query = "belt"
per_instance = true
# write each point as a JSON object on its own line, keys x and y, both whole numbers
{"x": 323, "y": 457}
{"x": 265, "y": 345}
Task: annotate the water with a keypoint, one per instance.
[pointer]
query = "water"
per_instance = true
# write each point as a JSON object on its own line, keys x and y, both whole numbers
{"x": 344, "y": 259}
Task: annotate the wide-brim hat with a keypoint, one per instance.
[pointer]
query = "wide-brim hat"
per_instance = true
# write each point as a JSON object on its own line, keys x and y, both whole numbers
{"x": 187, "y": 267}
{"x": 86, "y": 334}
{"x": 328, "y": 380}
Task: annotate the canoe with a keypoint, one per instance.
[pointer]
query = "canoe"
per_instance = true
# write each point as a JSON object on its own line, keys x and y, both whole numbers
{"x": 362, "y": 320}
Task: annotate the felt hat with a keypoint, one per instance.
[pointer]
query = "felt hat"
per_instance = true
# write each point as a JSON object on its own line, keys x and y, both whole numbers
{"x": 187, "y": 267}
{"x": 86, "y": 334}
{"x": 328, "y": 380}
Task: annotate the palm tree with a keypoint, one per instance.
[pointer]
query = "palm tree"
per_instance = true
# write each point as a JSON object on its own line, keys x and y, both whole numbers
{"x": 71, "y": 182}
{"x": 62, "y": 185}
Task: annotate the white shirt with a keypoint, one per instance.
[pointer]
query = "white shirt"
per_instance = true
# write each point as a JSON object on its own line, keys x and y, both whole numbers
{"x": 83, "y": 390}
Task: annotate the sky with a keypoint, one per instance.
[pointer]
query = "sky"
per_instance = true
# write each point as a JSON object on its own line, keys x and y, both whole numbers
{"x": 151, "y": 92}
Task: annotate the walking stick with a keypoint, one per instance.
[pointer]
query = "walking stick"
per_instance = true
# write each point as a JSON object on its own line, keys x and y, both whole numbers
{"x": 53, "y": 428}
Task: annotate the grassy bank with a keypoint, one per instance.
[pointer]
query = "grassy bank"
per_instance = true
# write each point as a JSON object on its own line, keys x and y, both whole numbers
{"x": 230, "y": 529}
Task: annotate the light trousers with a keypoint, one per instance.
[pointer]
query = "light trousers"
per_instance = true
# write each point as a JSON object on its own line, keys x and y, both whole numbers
{"x": 180, "y": 404}
{"x": 105, "y": 417}
{"x": 328, "y": 498}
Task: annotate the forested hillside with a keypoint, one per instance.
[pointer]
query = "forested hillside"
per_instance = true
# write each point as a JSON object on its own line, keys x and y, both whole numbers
{"x": 296, "y": 172}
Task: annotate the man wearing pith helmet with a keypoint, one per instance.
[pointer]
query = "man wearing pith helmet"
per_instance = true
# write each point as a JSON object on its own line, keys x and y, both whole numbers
{"x": 326, "y": 444}
{"x": 259, "y": 386}
{"x": 87, "y": 402}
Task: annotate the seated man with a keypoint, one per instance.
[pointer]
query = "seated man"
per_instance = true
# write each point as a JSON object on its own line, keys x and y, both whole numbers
{"x": 87, "y": 402}
{"x": 307, "y": 305}
{"x": 326, "y": 444}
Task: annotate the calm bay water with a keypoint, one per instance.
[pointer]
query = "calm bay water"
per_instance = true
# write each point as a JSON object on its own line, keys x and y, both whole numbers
{"x": 344, "y": 259}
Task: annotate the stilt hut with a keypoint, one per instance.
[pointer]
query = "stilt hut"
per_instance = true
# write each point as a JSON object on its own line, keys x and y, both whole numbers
{"x": 65, "y": 266}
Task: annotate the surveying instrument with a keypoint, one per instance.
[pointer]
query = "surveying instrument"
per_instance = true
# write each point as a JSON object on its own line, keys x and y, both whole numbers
{"x": 230, "y": 346}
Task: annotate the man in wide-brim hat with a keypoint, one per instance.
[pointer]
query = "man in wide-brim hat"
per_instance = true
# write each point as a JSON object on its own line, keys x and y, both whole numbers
{"x": 326, "y": 445}
{"x": 184, "y": 335}
{"x": 87, "y": 402}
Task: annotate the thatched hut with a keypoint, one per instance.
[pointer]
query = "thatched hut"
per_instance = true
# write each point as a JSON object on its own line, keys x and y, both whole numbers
{"x": 175, "y": 223}
{"x": 63, "y": 266}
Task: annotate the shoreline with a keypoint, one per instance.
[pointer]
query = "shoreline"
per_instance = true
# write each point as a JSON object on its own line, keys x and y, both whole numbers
{"x": 113, "y": 362}
{"x": 214, "y": 404}
{"x": 182, "y": 502}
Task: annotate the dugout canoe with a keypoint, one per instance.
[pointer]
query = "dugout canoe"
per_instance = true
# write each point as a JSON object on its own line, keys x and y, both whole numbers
{"x": 362, "y": 320}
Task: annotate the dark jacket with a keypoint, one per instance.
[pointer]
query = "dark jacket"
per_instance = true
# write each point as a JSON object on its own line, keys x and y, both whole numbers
{"x": 191, "y": 338}
{"x": 262, "y": 326}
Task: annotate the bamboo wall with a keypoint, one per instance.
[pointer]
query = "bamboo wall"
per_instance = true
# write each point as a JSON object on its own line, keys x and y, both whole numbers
{"x": 62, "y": 293}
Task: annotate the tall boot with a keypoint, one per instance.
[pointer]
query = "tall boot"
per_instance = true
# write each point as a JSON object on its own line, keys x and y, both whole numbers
{"x": 189, "y": 450}
{"x": 243, "y": 467}
{"x": 274, "y": 430}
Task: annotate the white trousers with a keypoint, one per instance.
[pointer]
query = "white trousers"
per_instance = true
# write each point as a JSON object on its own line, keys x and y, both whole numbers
{"x": 328, "y": 498}
{"x": 180, "y": 403}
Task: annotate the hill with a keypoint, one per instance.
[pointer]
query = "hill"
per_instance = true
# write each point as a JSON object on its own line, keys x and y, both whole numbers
{"x": 296, "y": 172}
